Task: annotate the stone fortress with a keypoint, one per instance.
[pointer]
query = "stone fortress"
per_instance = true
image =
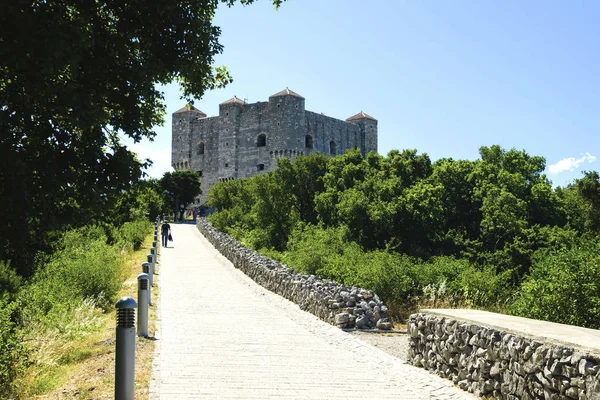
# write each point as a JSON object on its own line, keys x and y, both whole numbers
{"x": 247, "y": 139}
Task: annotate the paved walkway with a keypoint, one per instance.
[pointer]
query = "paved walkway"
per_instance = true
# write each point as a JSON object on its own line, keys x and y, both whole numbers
{"x": 221, "y": 336}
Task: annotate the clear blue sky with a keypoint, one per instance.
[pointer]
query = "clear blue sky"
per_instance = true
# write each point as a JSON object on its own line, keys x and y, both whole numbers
{"x": 442, "y": 77}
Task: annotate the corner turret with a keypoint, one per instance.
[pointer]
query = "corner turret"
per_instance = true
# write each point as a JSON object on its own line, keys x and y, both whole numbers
{"x": 368, "y": 131}
{"x": 231, "y": 107}
{"x": 181, "y": 139}
{"x": 287, "y": 108}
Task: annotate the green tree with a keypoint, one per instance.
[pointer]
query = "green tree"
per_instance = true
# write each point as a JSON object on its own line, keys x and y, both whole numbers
{"x": 144, "y": 200}
{"x": 180, "y": 188}
{"x": 303, "y": 178}
{"x": 588, "y": 188}
{"x": 73, "y": 75}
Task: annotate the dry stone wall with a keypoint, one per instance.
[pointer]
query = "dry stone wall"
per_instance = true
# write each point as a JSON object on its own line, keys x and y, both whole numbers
{"x": 498, "y": 364}
{"x": 340, "y": 305}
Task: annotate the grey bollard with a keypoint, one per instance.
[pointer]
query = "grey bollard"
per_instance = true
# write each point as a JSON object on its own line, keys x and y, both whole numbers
{"x": 125, "y": 349}
{"x": 151, "y": 273}
{"x": 155, "y": 237}
{"x": 143, "y": 303}
{"x": 146, "y": 269}
{"x": 154, "y": 257}
{"x": 155, "y": 246}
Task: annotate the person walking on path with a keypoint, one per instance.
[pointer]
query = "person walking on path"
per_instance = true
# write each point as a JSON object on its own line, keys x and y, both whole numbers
{"x": 165, "y": 232}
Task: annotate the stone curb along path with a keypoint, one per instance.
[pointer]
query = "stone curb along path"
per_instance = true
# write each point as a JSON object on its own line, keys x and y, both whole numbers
{"x": 222, "y": 336}
{"x": 340, "y": 305}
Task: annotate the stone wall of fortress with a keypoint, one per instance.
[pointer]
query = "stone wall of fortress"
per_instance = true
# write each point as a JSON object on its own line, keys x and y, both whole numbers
{"x": 246, "y": 139}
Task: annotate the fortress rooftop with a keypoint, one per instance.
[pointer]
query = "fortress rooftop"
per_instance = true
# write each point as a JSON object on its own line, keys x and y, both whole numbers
{"x": 360, "y": 115}
{"x": 287, "y": 92}
{"x": 189, "y": 108}
{"x": 234, "y": 100}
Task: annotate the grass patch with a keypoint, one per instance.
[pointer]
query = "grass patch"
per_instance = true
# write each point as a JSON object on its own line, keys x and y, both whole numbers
{"x": 82, "y": 366}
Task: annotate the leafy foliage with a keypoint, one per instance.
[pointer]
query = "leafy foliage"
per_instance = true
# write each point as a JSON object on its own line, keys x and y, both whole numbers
{"x": 13, "y": 354}
{"x": 452, "y": 233}
{"x": 564, "y": 286}
{"x": 179, "y": 189}
{"x": 84, "y": 267}
{"x": 73, "y": 77}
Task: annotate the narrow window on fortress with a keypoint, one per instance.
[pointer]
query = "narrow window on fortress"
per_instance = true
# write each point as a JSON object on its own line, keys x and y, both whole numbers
{"x": 332, "y": 148}
{"x": 308, "y": 141}
{"x": 261, "y": 140}
{"x": 199, "y": 173}
{"x": 226, "y": 164}
{"x": 260, "y": 167}
{"x": 200, "y": 147}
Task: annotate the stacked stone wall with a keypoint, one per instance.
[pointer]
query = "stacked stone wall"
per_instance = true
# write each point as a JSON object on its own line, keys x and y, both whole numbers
{"x": 493, "y": 363}
{"x": 340, "y": 305}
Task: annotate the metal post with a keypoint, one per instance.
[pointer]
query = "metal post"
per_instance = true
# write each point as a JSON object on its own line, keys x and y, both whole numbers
{"x": 155, "y": 246}
{"x": 151, "y": 273}
{"x": 125, "y": 350}
{"x": 155, "y": 237}
{"x": 143, "y": 302}
{"x": 146, "y": 269}
{"x": 153, "y": 252}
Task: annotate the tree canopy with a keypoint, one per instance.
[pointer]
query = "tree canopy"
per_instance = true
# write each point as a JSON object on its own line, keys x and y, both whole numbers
{"x": 475, "y": 233}
{"x": 73, "y": 76}
{"x": 179, "y": 188}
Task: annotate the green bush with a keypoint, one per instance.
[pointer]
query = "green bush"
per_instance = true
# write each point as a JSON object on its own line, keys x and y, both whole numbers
{"x": 314, "y": 250}
{"x": 310, "y": 248}
{"x": 563, "y": 286}
{"x": 132, "y": 234}
{"x": 10, "y": 282}
{"x": 482, "y": 287}
{"x": 13, "y": 354}
{"x": 84, "y": 268}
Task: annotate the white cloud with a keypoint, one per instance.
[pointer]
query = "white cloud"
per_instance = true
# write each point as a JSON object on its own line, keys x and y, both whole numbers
{"x": 570, "y": 163}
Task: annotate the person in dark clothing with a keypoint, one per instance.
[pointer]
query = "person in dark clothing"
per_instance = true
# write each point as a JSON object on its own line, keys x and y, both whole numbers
{"x": 165, "y": 230}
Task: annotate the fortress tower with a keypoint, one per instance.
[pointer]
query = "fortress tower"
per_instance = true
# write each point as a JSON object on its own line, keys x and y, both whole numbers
{"x": 246, "y": 139}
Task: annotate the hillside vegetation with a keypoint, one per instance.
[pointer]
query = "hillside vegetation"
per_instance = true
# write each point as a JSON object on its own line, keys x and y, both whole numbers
{"x": 491, "y": 233}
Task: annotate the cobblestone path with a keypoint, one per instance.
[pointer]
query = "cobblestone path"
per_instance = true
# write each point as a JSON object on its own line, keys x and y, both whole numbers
{"x": 221, "y": 336}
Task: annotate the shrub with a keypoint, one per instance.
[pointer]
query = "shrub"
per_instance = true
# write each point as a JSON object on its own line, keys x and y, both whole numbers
{"x": 439, "y": 280}
{"x": 132, "y": 234}
{"x": 84, "y": 268}
{"x": 10, "y": 282}
{"x": 310, "y": 247}
{"x": 12, "y": 352}
{"x": 563, "y": 286}
{"x": 315, "y": 250}
{"x": 482, "y": 287}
